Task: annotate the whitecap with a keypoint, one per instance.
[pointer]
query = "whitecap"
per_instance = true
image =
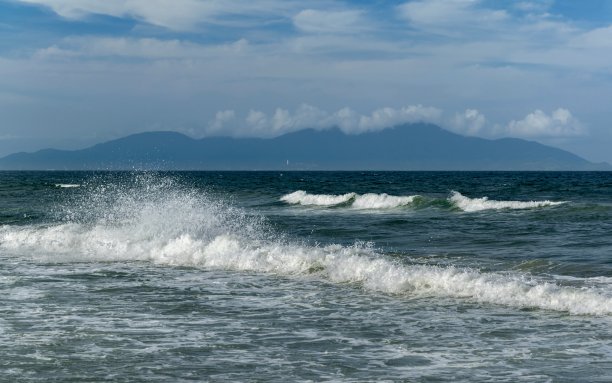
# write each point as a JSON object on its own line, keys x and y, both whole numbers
{"x": 353, "y": 200}
{"x": 300, "y": 197}
{"x": 484, "y": 203}
{"x": 381, "y": 201}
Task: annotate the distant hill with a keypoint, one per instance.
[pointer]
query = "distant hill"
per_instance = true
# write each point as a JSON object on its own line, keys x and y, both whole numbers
{"x": 405, "y": 147}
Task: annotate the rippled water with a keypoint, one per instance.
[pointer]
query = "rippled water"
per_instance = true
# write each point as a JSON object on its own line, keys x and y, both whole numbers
{"x": 268, "y": 276}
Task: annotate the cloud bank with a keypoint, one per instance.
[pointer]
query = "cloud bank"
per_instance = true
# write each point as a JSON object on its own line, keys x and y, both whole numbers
{"x": 330, "y": 22}
{"x": 471, "y": 122}
{"x": 450, "y": 17}
{"x": 560, "y": 123}
{"x": 306, "y": 116}
{"x": 538, "y": 124}
{"x": 183, "y": 15}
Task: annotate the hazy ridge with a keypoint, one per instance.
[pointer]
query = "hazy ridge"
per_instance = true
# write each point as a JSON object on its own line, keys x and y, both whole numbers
{"x": 405, "y": 147}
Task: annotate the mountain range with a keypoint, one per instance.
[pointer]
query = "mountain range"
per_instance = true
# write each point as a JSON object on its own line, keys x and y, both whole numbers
{"x": 404, "y": 147}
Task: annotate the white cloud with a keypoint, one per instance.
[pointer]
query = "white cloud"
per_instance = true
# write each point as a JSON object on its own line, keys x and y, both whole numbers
{"x": 319, "y": 21}
{"x": 180, "y": 15}
{"x": 282, "y": 121}
{"x": 386, "y": 117}
{"x": 560, "y": 123}
{"x": 445, "y": 15}
{"x": 533, "y": 6}
{"x": 471, "y": 122}
{"x": 222, "y": 118}
{"x": 597, "y": 38}
{"x": 257, "y": 120}
{"x": 147, "y": 48}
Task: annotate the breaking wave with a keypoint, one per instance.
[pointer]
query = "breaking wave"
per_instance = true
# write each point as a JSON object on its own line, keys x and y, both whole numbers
{"x": 484, "y": 203}
{"x": 67, "y": 185}
{"x": 300, "y": 197}
{"x": 158, "y": 221}
{"x": 356, "y": 201}
{"x": 385, "y": 201}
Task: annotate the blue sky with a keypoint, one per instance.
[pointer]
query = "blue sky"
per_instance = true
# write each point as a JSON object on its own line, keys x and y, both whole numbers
{"x": 77, "y": 72}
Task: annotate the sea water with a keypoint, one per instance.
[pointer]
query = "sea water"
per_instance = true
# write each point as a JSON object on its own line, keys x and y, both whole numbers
{"x": 305, "y": 276}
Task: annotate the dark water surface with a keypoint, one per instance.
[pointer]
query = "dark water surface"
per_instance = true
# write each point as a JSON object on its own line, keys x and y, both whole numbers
{"x": 306, "y": 276}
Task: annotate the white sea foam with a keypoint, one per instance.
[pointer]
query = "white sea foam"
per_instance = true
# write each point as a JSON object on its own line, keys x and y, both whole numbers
{"x": 357, "y": 201}
{"x": 302, "y": 198}
{"x": 67, "y": 185}
{"x": 478, "y": 204}
{"x": 338, "y": 264}
{"x": 381, "y": 201}
{"x": 170, "y": 226}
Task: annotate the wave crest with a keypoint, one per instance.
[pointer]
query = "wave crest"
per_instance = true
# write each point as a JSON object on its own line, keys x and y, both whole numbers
{"x": 300, "y": 197}
{"x": 484, "y": 203}
{"x": 381, "y": 201}
{"x": 357, "y": 201}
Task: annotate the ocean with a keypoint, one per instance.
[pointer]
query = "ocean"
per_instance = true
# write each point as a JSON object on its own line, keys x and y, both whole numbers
{"x": 306, "y": 276}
